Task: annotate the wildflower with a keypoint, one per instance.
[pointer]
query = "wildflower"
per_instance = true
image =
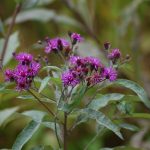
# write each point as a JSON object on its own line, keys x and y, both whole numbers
{"x": 115, "y": 54}
{"x": 24, "y": 58}
{"x": 69, "y": 79}
{"x": 76, "y": 38}
{"x": 95, "y": 63}
{"x": 9, "y": 75}
{"x": 74, "y": 60}
{"x": 56, "y": 44}
{"x": 24, "y": 72}
{"x": 110, "y": 73}
{"x": 95, "y": 79}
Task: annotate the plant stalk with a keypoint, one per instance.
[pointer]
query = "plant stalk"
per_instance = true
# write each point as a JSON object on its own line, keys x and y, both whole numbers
{"x": 65, "y": 130}
{"x": 16, "y": 11}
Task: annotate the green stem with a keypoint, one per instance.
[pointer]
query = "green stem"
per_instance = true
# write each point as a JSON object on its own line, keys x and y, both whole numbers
{"x": 65, "y": 130}
{"x": 44, "y": 105}
{"x": 56, "y": 133}
{"x": 17, "y": 9}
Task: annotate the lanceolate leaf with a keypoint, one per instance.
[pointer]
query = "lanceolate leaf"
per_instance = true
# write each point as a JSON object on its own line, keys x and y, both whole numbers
{"x": 36, "y": 115}
{"x": 6, "y": 113}
{"x": 44, "y": 84}
{"x": 98, "y": 103}
{"x": 51, "y": 68}
{"x": 25, "y": 135}
{"x": 11, "y": 47}
{"x": 136, "y": 88}
{"x": 129, "y": 126}
{"x": 102, "y": 120}
{"x": 138, "y": 115}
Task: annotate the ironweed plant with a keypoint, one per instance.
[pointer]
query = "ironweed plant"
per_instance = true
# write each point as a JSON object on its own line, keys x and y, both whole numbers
{"x": 70, "y": 85}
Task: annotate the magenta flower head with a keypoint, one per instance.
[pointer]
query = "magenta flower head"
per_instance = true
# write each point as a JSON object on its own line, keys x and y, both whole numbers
{"x": 95, "y": 79}
{"x": 115, "y": 54}
{"x": 75, "y": 60}
{"x": 95, "y": 63}
{"x": 24, "y": 58}
{"x": 9, "y": 75}
{"x": 75, "y": 37}
{"x": 69, "y": 79}
{"x": 110, "y": 73}
{"x": 56, "y": 44}
{"x": 24, "y": 72}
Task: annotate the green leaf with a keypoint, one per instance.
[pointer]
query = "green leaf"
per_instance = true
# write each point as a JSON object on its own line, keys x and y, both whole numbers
{"x": 44, "y": 83}
{"x": 36, "y": 115}
{"x": 6, "y": 113}
{"x": 125, "y": 107}
{"x": 76, "y": 98}
{"x": 30, "y": 97}
{"x": 34, "y": 14}
{"x": 101, "y": 119}
{"x": 136, "y": 88}
{"x": 13, "y": 43}
{"x": 138, "y": 115}
{"x": 128, "y": 126}
{"x": 51, "y": 68}
{"x": 101, "y": 102}
{"x": 25, "y": 135}
{"x": 1, "y": 27}
{"x": 51, "y": 125}
{"x": 81, "y": 118}
{"x": 26, "y": 97}
{"x": 40, "y": 147}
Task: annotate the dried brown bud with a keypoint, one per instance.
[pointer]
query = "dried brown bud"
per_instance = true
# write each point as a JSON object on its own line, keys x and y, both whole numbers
{"x": 107, "y": 45}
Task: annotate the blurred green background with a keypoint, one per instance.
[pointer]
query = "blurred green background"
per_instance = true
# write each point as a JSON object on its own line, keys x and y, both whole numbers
{"x": 124, "y": 23}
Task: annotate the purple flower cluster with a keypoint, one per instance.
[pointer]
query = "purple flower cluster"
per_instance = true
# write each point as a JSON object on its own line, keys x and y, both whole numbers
{"x": 24, "y": 72}
{"x": 87, "y": 69}
{"x": 56, "y": 44}
{"x": 75, "y": 37}
{"x": 114, "y": 55}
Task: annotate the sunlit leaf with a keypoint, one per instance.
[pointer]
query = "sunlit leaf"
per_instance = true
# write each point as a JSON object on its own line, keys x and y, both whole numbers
{"x": 36, "y": 115}
{"x": 34, "y": 14}
{"x": 136, "y": 88}
{"x": 51, "y": 68}
{"x": 11, "y": 47}
{"x": 128, "y": 126}
{"x": 6, "y": 113}
{"x": 25, "y": 135}
{"x": 102, "y": 120}
{"x": 44, "y": 83}
{"x": 104, "y": 100}
{"x": 26, "y": 97}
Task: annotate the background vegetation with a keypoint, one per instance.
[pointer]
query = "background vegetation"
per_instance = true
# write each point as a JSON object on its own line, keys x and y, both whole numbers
{"x": 125, "y": 24}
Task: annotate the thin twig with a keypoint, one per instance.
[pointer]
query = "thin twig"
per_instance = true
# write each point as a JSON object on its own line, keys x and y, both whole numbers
{"x": 65, "y": 131}
{"x": 56, "y": 131}
{"x": 45, "y": 106}
{"x": 16, "y": 11}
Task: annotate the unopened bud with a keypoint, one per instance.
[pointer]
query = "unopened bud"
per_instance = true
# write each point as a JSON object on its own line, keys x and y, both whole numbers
{"x": 107, "y": 45}
{"x": 127, "y": 56}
